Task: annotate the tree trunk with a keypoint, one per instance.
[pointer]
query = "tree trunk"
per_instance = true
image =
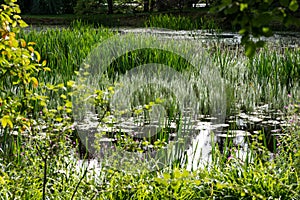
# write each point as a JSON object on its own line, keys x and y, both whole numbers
{"x": 110, "y": 6}
{"x": 146, "y": 5}
{"x": 152, "y": 4}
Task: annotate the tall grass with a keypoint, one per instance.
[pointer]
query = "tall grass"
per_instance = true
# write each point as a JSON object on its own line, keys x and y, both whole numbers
{"x": 170, "y": 21}
{"x": 66, "y": 48}
{"x": 267, "y": 78}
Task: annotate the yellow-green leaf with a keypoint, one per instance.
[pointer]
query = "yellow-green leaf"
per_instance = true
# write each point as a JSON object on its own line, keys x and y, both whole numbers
{"x": 43, "y": 103}
{"x": 44, "y": 64}
{"x": 243, "y": 6}
{"x": 22, "y": 24}
{"x": 35, "y": 81}
{"x": 46, "y": 69}
{"x": 70, "y": 83}
{"x": 59, "y": 119}
{"x": 69, "y": 104}
{"x": 38, "y": 56}
{"x": 30, "y": 48}
{"x": 6, "y": 120}
{"x": 294, "y": 5}
{"x": 31, "y": 43}
{"x": 23, "y": 43}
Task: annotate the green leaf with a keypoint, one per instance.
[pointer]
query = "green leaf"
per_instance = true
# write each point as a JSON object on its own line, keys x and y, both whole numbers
{"x": 243, "y": 6}
{"x": 38, "y": 56}
{"x": 59, "y": 119}
{"x": 250, "y": 49}
{"x": 294, "y": 5}
{"x": 242, "y": 31}
{"x": 44, "y": 64}
{"x": 34, "y": 81}
{"x": 69, "y": 104}
{"x": 70, "y": 83}
{"x": 6, "y": 120}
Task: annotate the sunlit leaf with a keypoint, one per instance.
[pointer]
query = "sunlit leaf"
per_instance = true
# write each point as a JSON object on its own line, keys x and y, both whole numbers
{"x": 243, "y": 6}
{"x": 38, "y": 56}
{"x": 30, "y": 48}
{"x": 6, "y": 120}
{"x": 35, "y": 81}
{"x": 44, "y": 64}
{"x": 68, "y": 104}
{"x": 294, "y": 5}
{"x": 23, "y": 43}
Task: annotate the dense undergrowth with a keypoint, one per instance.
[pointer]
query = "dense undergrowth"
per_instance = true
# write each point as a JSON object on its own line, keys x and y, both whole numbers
{"x": 38, "y": 152}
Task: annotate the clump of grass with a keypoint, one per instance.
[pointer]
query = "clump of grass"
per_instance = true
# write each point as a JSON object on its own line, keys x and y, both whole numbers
{"x": 66, "y": 48}
{"x": 170, "y": 21}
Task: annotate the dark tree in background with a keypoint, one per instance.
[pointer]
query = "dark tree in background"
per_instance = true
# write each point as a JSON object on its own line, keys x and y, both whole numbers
{"x": 146, "y": 5}
{"x": 47, "y": 6}
{"x": 110, "y": 6}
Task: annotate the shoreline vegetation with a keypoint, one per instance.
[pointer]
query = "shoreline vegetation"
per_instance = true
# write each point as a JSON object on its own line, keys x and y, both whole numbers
{"x": 137, "y": 20}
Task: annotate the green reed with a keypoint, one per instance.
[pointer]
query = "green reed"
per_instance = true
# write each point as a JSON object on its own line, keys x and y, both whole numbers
{"x": 267, "y": 78}
{"x": 170, "y": 21}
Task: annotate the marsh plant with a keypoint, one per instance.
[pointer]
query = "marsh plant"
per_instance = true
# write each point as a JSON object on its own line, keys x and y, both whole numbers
{"x": 172, "y": 22}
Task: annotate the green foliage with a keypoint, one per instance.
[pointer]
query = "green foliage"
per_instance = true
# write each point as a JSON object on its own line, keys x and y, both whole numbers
{"x": 89, "y": 7}
{"x": 65, "y": 48}
{"x": 19, "y": 67}
{"x": 255, "y": 18}
{"x": 47, "y": 6}
{"x": 180, "y": 22}
{"x": 37, "y": 159}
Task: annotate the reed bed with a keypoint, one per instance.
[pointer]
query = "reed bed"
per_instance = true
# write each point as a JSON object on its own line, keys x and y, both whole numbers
{"x": 170, "y": 21}
{"x": 268, "y": 78}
